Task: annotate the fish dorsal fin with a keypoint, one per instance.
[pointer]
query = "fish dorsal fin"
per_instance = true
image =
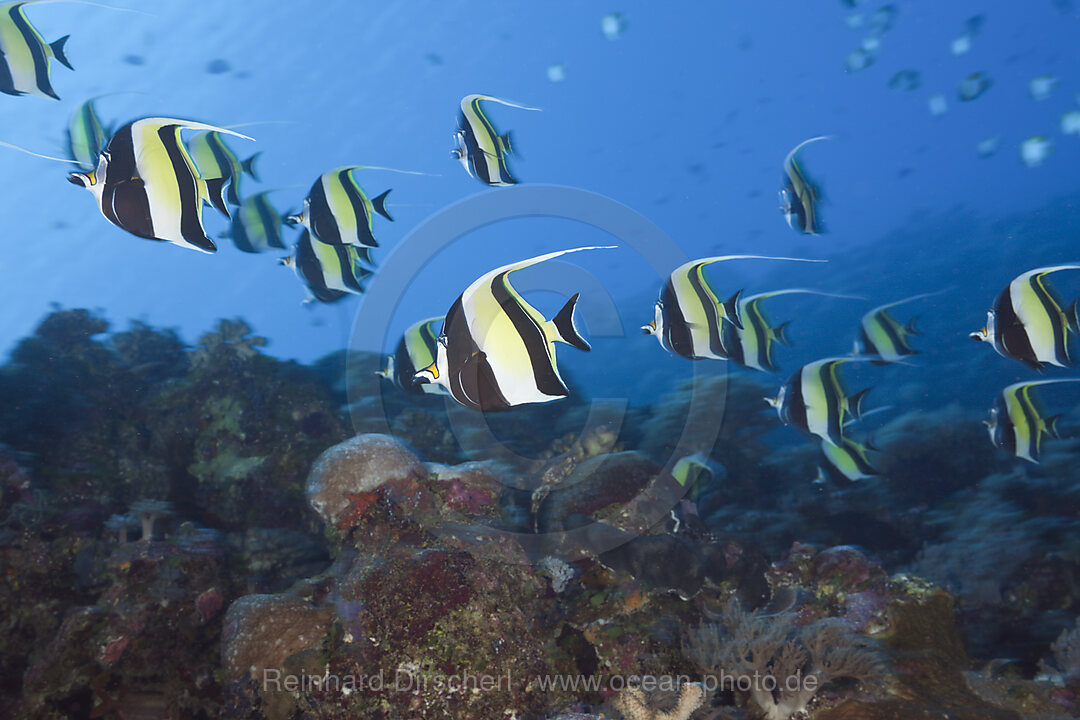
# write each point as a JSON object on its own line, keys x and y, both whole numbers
{"x": 802, "y": 291}
{"x": 522, "y": 264}
{"x": 566, "y": 329}
{"x": 804, "y": 143}
{"x": 465, "y": 101}
{"x": 161, "y": 122}
{"x": 687, "y": 266}
{"x": 911, "y": 298}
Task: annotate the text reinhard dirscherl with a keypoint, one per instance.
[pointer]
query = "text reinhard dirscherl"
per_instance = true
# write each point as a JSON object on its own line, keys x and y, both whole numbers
{"x": 420, "y": 683}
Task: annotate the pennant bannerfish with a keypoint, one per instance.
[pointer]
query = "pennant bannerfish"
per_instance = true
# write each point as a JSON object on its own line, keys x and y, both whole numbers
{"x": 147, "y": 184}
{"x": 415, "y": 351}
{"x": 845, "y": 463}
{"x": 814, "y": 400}
{"x": 882, "y": 336}
{"x": 215, "y": 159}
{"x": 695, "y": 472}
{"x": 1018, "y": 422}
{"x": 1028, "y": 323}
{"x": 338, "y": 212}
{"x": 688, "y": 316}
{"x": 25, "y": 56}
{"x": 86, "y": 136}
{"x": 256, "y": 225}
{"x": 497, "y": 351}
{"x": 752, "y": 345}
{"x": 480, "y": 148}
{"x": 330, "y": 271}
{"x": 799, "y": 198}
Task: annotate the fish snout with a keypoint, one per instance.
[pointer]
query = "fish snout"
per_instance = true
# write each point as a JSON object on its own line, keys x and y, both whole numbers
{"x": 649, "y": 329}
{"x": 980, "y": 335}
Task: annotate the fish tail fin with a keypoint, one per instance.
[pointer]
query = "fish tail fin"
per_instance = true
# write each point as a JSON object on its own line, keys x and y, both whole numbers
{"x": 215, "y": 193}
{"x": 855, "y": 402}
{"x": 871, "y": 444}
{"x": 912, "y": 326}
{"x": 1073, "y": 316}
{"x": 780, "y": 333}
{"x": 731, "y": 309}
{"x": 361, "y": 272}
{"x": 379, "y": 204}
{"x": 1052, "y": 426}
{"x": 565, "y": 327}
{"x": 57, "y": 48}
{"x": 506, "y": 144}
{"x": 249, "y": 165}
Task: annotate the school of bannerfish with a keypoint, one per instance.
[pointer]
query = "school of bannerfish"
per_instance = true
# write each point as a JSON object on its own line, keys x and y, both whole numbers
{"x": 492, "y": 350}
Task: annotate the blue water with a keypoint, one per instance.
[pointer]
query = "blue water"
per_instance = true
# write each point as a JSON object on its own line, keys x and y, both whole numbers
{"x": 685, "y": 118}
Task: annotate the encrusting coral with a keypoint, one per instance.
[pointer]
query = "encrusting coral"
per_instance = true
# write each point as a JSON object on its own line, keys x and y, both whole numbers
{"x": 634, "y": 705}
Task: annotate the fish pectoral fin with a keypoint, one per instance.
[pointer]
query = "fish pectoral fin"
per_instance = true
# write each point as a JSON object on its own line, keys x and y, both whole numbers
{"x": 215, "y": 193}
{"x": 566, "y": 329}
{"x": 57, "y": 48}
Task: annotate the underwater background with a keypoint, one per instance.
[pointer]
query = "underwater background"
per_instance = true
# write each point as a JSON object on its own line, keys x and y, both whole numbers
{"x": 206, "y": 489}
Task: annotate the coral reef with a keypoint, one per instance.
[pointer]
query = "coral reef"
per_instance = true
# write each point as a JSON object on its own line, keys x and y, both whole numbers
{"x": 178, "y": 525}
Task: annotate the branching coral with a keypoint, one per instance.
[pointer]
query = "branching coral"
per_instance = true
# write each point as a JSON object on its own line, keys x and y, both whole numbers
{"x": 777, "y": 663}
{"x": 232, "y": 336}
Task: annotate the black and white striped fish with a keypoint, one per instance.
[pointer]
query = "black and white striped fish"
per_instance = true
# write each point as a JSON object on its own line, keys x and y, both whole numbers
{"x": 256, "y": 225}
{"x": 480, "y": 148}
{"x": 689, "y": 314}
{"x": 215, "y": 159}
{"x": 799, "y": 197}
{"x": 845, "y": 463}
{"x": 24, "y": 54}
{"x": 814, "y": 400}
{"x": 496, "y": 350}
{"x": 1018, "y": 421}
{"x": 881, "y": 335}
{"x": 147, "y": 184}
{"x": 338, "y": 212}
{"x": 331, "y": 272}
{"x": 1029, "y": 323}
{"x": 86, "y": 136}
{"x": 415, "y": 351}
{"x": 752, "y": 346}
